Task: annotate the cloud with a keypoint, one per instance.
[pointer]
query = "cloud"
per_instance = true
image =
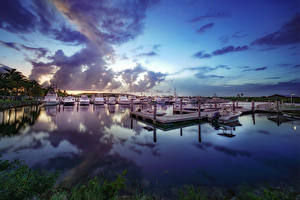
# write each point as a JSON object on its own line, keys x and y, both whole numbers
{"x": 97, "y": 25}
{"x": 149, "y": 79}
{"x": 212, "y": 14}
{"x": 201, "y": 54}
{"x": 297, "y": 66}
{"x": 236, "y": 35}
{"x": 147, "y": 54}
{"x": 224, "y": 50}
{"x": 202, "y": 71}
{"x": 256, "y": 69}
{"x": 39, "y": 52}
{"x": 288, "y": 34}
{"x": 229, "y": 49}
{"x": 205, "y": 27}
{"x": 274, "y": 77}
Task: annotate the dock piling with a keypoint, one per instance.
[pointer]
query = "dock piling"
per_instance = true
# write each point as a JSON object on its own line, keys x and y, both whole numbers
{"x": 199, "y": 108}
{"x": 253, "y": 106}
{"x": 181, "y": 106}
{"x": 131, "y": 105}
{"x": 154, "y": 112}
{"x": 233, "y": 106}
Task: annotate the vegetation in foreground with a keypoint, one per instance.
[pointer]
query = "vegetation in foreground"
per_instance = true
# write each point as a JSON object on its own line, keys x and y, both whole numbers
{"x": 18, "y": 181}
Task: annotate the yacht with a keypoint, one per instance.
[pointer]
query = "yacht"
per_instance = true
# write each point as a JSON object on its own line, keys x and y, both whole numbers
{"x": 51, "y": 99}
{"x": 123, "y": 100}
{"x": 159, "y": 100}
{"x": 135, "y": 100}
{"x": 99, "y": 101}
{"x": 84, "y": 100}
{"x": 69, "y": 101}
{"x": 229, "y": 116}
{"x": 111, "y": 101}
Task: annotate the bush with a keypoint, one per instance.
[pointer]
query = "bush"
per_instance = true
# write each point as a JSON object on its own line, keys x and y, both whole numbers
{"x": 18, "y": 181}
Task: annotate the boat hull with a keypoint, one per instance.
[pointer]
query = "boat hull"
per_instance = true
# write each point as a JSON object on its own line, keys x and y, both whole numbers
{"x": 51, "y": 103}
{"x": 98, "y": 102}
{"x": 124, "y": 102}
{"x": 84, "y": 103}
{"x": 69, "y": 103}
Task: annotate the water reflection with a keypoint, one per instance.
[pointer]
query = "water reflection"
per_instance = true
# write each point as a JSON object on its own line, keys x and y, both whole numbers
{"x": 87, "y": 141}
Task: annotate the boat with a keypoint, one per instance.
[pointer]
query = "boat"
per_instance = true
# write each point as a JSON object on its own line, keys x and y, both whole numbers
{"x": 69, "y": 101}
{"x": 123, "y": 100}
{"x": 229, "y": 117}
{"x": 144, "y": 100}
{"x": 51, "y": 99}
{"x": 160, "y": 100}
{"x": 84, "y": 100}
{"x": 111, "y": 101}
{"x": 99, "y": 101}
{"x": 135, "y": 100}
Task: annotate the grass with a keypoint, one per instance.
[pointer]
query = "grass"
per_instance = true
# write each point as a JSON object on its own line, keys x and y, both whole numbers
{"x": 19, "y": 182}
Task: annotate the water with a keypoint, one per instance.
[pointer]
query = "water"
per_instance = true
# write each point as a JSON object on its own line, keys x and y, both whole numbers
{"x": 83, "y": 142}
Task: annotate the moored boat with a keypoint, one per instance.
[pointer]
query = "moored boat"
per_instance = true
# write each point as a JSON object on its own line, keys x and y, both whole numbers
{"x": 99, "y": 101}
{"x": 229, "y": 117}
{"x": 84, "y": 100}
{"x": 111, "y": 101}
{"x": 51, "y": 99}
{"x": 123, "y": 100}
{"x": 69, "y": 101}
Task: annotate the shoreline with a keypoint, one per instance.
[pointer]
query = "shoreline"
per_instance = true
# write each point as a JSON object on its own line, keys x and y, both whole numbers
{"x": 4, "y": 105}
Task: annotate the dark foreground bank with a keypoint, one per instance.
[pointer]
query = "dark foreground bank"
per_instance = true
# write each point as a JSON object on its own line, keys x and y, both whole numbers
{"x": 18, "y": 181}
{"x": 9, "y": 104}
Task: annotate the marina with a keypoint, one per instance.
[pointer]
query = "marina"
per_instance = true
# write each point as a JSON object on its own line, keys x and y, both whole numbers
{"x": 100, "y": 134}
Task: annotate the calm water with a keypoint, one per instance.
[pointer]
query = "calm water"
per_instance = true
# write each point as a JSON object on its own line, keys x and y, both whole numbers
{"x": 87, "y": 141}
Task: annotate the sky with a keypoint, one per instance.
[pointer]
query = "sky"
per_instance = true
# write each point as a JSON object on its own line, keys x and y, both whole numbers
{"x": 196, "y": 47}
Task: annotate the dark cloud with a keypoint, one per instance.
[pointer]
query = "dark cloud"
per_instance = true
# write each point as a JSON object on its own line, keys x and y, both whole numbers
{"x": 268, "y": 48}
{"x": 205, "y": 27}
{"x": 236, "y": 35}
{"x": 274, "y": 77}
{"x": 229, "y": 49}
{"x": 256, "y": 69}
{"x": 201, "y": 72}
{"x": 14, "y": 17}
{"x": 224, "y": 50}
{"x": 201, "y": 54}
{"x": 212, "y": 14}
{"x": 297, "y": 66}
{"x": 288, "y": 34}
{"x": 148, "y": 54}
{"x": 202, "y": 76}
{"x": 39, "y": 52}
{"x": 99, "y": 25}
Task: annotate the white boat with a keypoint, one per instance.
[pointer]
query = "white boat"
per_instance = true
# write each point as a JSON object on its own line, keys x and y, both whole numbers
{"x": 69, "y": 101}
{"x": 135, "y": 100}
{"x": 159, "y": 100}
{"x": 229, "y": 117}
{"x": 51, "y": 99}
{"x": 99, "y": 101}
{"x": 123, "y": 100}
{"x": 111, "y": 101}
{"x": 84, "y": 100}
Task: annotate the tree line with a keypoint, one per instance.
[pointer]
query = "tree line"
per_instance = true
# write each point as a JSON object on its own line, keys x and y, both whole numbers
{"x": 15, "y": 86}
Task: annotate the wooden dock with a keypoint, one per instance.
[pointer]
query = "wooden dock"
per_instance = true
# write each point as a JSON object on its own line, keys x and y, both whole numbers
{"x": 167, "y": 118}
